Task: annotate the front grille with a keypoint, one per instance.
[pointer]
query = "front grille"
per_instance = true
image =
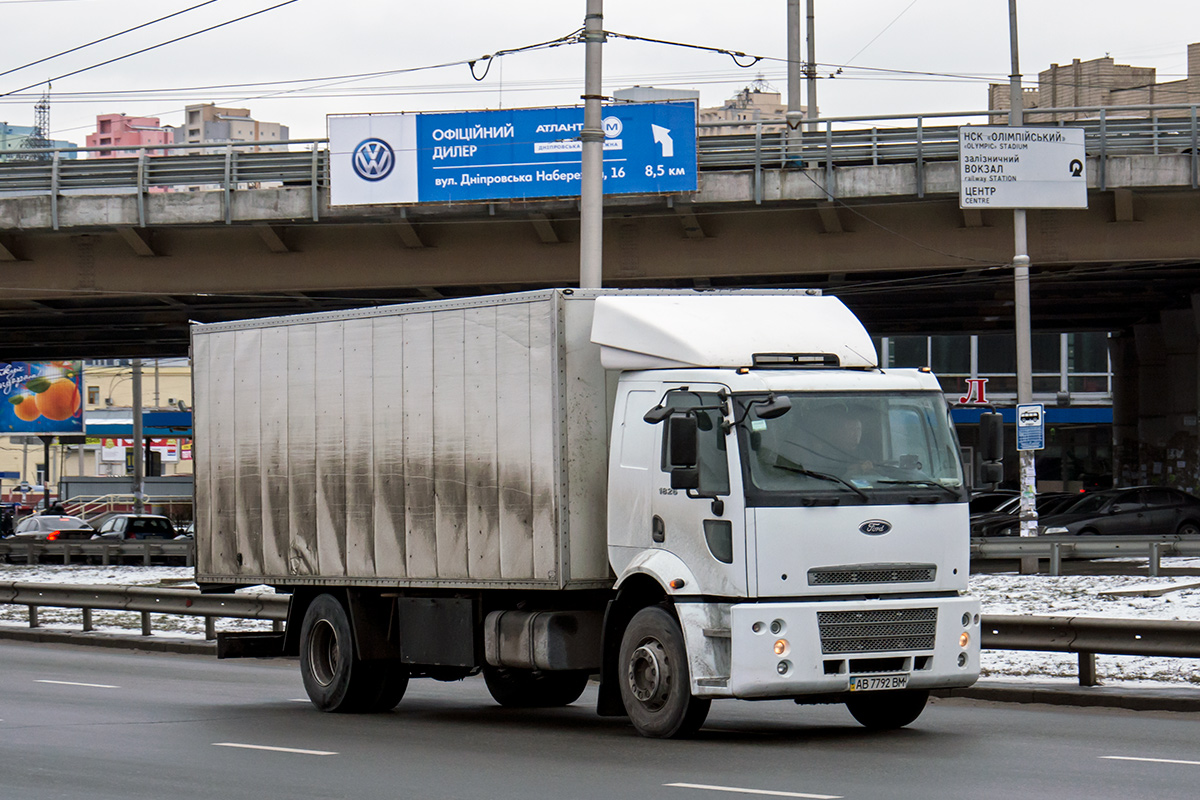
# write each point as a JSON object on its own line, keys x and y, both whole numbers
{"x": 877, "y": 631}
{"x": 872, "y": 573}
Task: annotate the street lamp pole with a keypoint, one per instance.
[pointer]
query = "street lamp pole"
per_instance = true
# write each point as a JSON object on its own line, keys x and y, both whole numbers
{"x": 1027, "y": 479}
{"x": 591, "y": 190}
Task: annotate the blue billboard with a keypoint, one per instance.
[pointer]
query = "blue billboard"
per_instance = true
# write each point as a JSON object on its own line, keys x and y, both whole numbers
{"x": 649, "y": 148}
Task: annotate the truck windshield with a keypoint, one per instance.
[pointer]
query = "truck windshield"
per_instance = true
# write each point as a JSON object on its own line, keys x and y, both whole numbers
{"x": 852, "y": 447}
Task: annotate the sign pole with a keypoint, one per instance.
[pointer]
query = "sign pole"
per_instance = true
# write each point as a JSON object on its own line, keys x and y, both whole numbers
{"x": 591, "y": 190}
{"x": 139, "y": 464}
{"x": 1027, "y": 479}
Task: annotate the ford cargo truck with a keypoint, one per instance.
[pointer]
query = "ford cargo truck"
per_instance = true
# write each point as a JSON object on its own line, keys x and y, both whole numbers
{"x": 692, "y": 495}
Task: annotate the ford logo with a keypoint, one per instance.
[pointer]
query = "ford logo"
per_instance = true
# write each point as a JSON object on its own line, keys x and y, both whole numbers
{"x": 875, "y": 527}
{"x": 373, "y": 159}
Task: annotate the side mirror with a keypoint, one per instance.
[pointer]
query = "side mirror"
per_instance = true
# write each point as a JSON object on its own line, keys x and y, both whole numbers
{"x": 1116, "y": 508}
{"x": 685, "y": 478}
{"x": 773, "y": 407}
{"x": 991, "y": 437}
{"x": 991, "y": 472}
{"x": 683, "y": 437}
{"x": 657, "y": 414}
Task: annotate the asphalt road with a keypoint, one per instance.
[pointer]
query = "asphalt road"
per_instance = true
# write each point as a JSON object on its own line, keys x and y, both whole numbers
{"x": 81, "y": 723}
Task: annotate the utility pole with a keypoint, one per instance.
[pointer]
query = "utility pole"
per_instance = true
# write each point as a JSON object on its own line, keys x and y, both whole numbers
{"x": 139, "y": 466}
{"x": 591, "y": 189}
{"x": 812, "y": 65}
{"x": 1027, "y": 479}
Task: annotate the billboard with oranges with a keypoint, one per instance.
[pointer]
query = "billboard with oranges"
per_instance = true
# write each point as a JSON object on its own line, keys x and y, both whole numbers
{"x": 41, "y": 397}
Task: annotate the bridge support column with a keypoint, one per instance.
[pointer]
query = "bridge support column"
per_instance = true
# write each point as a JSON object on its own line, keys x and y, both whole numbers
{"x": 1156, "y": 402}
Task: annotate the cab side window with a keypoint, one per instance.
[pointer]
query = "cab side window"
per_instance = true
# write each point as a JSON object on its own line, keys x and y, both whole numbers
{"x": 711, "y": 452}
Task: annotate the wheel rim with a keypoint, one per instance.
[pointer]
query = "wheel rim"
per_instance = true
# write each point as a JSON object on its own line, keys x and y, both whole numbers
{"x": 649, "y": 675}
{"x": 324, "y": 653}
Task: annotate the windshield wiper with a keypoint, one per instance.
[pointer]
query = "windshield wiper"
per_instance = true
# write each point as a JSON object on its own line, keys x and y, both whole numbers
{"x": 791, "y": 467}
{"x": 943, "y": 487}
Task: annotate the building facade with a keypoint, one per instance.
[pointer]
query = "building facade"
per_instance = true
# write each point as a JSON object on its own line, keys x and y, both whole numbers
{"x": 206, "y": 123}
{"x": 119, "y": 131}
{"x": 13, "y": 137}
{"x": 1103, "y": 82}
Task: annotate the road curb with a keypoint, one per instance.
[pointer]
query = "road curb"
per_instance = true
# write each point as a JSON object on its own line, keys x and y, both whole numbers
{"x": 152, "y": 644}
{"x": 1136, "y": 699}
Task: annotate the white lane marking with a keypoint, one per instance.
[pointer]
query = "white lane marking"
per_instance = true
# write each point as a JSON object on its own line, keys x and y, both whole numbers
{"x": 275, "y": 749}
{"x": 737, "y": 790}
{"x": 73, "y": 683}
{"x": 1153, "y": 760}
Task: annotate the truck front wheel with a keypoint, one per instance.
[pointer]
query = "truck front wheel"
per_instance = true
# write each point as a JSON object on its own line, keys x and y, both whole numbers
{"x": 653, "y": 676}
{"x": 883, "y": 711}
{"x": 526, "y": 688}
{"x": 335, "y": 679}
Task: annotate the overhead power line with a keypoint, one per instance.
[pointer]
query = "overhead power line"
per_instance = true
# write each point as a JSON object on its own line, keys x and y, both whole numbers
{"x": 105, "y": 39}
{"x": 153, "y": 47}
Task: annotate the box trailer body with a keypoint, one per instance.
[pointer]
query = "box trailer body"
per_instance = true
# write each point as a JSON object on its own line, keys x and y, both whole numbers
{"x": 547, "y": 485}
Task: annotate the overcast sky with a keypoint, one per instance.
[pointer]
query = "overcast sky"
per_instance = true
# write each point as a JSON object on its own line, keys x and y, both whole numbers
{"x": 911, "y": 55}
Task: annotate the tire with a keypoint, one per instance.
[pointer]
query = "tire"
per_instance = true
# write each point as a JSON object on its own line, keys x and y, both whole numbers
{"x": 526, "y": 688}
{"x": 1188, "y": 528}
{"x": 335, "y": 679}
{"x": 885, "y": 711}
{"x": 652, "y": 672}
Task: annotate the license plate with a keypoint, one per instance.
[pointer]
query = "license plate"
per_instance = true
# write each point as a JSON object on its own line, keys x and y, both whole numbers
{"x": 871, "y": 683}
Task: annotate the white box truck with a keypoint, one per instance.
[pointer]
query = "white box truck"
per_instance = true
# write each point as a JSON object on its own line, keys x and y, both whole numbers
{"x": 694, "y": 495}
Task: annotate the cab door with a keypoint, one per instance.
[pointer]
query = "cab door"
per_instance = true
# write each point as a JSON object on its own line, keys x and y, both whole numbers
{"x": 704, "y": 527}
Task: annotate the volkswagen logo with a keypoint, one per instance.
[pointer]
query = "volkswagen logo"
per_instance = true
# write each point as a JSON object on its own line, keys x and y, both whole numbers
{"x": 875, "y": 527}
{"x": 373, "y": 159}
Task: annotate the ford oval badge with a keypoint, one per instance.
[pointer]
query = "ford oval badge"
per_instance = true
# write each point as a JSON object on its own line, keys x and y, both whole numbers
{"x": 875, "y": 527}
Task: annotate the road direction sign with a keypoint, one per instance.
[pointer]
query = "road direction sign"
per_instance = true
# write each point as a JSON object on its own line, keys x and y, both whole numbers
{"x": 1031, "y": 426}
{"x": 513, "y": 154}
{"x": 1005, "y": 167}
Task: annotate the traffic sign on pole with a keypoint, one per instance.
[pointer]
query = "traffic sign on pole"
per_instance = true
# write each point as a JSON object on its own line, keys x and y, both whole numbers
{"x": 1012, "y": 167}
{"x": 1031, "y": 426}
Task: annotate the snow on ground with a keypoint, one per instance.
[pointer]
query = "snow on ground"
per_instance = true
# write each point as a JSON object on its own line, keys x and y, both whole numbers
{"x": 1004, "y": 593}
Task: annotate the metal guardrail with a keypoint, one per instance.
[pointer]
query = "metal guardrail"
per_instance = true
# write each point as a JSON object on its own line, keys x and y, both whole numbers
{"x": 33, "y": 551}
{"x": 146, "y": 600}
{"x": 826, "y": 143}
{"x": 1087, "y": 636}
{"x": 1057, "y": 548}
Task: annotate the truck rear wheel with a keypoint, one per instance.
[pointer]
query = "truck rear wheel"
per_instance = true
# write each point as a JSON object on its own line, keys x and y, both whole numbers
{"x": 883, "y": 711}
{"x": 526, "y": 688}
{"x": 653, "y": 676}
{"x": 334, "y": 677}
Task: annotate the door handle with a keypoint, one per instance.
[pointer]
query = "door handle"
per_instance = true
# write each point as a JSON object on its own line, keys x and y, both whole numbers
{"x": 658, "y": 530}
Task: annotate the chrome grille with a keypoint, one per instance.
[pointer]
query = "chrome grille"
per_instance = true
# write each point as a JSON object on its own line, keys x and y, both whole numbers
{"x": 877, "y": 631}
{"x": 872, "y": 573}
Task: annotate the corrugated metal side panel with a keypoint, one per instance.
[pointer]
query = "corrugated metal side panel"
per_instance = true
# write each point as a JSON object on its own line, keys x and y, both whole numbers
{"x": 358, "y": 394}
{"x": 589, "y": 394}
{"x": 449, "y": 465}
{"x": 482, "y": 420}
{"x": 223, "y": 453}
{"x": 274, "y": 413}
{"x": 301, "y": 545}
{"x": 420, "y": 511}
{"x": 202, "y": 449}
{"x": 515, "y": 462}
{"x": 331, "y": 448}
{"x": 247, "y": 450}
{"x": 389, "y": 448}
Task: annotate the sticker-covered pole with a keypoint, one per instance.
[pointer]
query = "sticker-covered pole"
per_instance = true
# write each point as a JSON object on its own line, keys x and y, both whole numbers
{"x": 591, "y": 191}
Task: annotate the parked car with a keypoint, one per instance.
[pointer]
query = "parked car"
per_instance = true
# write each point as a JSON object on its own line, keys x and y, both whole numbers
{"x": 136, "y": 526}
{"x": 1148, "y": 510}
{"x": 1006, "y": 522}
{"x": 52, "y": 528}
{"x": 983, "y": 502}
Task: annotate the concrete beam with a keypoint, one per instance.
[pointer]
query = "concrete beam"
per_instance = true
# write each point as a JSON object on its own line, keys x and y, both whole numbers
{"x": 1123, "y": 205}
{"x": 972, "y": 218}
{"x": 272, "y": 236}
{"x": 691, "y": 224}
{"x": 408, "y": 234}
{"x": 830, "y": 220}
{"x": 545, "y": 229}
{"x": 138, "y": 240}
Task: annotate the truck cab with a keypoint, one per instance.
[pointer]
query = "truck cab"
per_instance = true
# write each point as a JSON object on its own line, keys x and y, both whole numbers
{"x": 805, "y": 512}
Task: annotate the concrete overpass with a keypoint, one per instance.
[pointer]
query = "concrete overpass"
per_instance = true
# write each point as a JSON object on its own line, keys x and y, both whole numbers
{"x": 97, "y": 260}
